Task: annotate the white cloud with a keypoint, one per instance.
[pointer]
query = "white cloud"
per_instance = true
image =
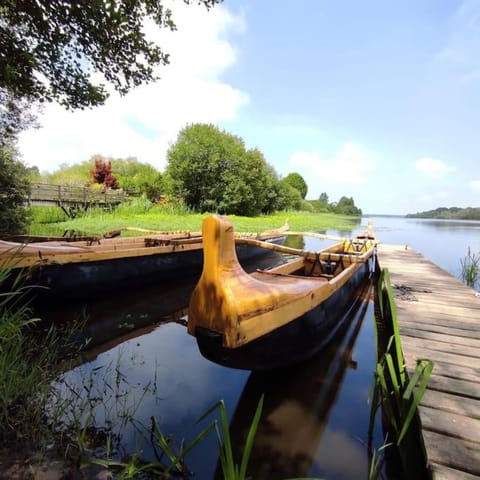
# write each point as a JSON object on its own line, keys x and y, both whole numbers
{"x": 475, "y": 186}
{"x": 147, "y": 120}
{"x": 433, "y": 168}
{"x": 350, "y": 165}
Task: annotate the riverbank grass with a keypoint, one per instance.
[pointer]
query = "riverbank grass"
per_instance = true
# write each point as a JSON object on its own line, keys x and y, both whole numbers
{"x": 171, "y": 218}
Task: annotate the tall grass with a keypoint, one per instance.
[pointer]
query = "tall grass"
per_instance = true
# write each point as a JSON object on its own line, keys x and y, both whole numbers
{"x": 470, "y": 264}
{"x": 29, "y": 358}
{"x": 45, "y": 215}
{"x": 24, "y": 366}
{"x": 177, "y": 216}
{"x": 394, "y": 393}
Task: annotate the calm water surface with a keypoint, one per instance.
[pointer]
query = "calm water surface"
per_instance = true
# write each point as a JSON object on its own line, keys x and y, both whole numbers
{"x": 315, "y": 418}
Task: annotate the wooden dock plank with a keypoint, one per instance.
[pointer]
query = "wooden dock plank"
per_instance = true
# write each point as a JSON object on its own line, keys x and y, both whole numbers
{"x": 453, "y": 452}
{"x": 441, "y": 472}
{"x": 412, "y": 352}
{"x": 454, "y": 425}
{"x": 421, "y": 343}
{"x": 459, "y": 372}
{"x": 439, "y": 319}
{"x": 441, "y": 337}
{"x": 451, "y": 403}
{"x": 452, "y": 385}
{"x": 447, "y": 330}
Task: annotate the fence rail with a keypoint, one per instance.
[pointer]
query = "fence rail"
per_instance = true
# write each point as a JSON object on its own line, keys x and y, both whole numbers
{"x": 71, "y": 198}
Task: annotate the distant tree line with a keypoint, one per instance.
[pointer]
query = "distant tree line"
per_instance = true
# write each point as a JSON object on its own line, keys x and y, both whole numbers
{"x": 453, "y": 213}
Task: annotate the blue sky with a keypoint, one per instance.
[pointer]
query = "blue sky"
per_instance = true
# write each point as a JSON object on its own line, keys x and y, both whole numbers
{"x": 373, "y": 100}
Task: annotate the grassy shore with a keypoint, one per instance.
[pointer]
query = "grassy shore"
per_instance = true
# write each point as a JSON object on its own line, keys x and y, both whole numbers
{"x": 50, "y": 220}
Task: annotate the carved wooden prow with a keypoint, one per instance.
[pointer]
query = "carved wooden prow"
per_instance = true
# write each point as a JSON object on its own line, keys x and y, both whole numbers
{"x": 211, "y": 300}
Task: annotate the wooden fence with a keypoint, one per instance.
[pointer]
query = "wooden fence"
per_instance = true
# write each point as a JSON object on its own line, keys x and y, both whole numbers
{"x": 71, "y": 198}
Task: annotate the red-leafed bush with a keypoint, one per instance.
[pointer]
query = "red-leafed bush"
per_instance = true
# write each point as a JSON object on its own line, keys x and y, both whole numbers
{"x": 102, "y": 173}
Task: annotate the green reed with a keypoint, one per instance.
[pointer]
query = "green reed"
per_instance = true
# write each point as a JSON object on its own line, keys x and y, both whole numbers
{"x": 470, "y": 264}
{"x": 397, "y": 395}
{"x": 28, "y": 358}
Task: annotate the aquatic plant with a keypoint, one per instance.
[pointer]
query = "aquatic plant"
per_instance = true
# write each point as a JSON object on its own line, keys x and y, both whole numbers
{"x": 28, "y": 358}
{"x": 169, "y": 462}
{"x": 470, "y": 264}
{"x": 231, "y": 470}
{"x": 397, "y": 395}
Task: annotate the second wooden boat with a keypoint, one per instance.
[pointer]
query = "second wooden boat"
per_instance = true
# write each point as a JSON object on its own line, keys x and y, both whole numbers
{"x": 272, "y": 318}
{"x": 97, "y": 266}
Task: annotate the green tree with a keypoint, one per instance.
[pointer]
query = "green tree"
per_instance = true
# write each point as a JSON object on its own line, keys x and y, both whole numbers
{"x": 15, "y": 116}
{"x": 50, "y": 48}
{"x": 14, "y": 189}
{"x": 288, "y": 197}
{"x": 346, "y": 206}
{"x": 323, "y": 198}
{"x": 295, "y": 180}
{"x": 78, "y": 174}
{"x": 212, "y": 171}
{"x": 138, "y": 177}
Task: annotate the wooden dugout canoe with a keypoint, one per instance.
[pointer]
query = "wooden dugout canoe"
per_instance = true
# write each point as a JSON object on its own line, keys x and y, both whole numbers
{"x": 272, "y": 318}
{"x": 97, "y": 266}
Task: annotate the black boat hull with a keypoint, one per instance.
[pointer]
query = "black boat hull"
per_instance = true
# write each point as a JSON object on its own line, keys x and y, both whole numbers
{"x": 93, "y": 279}
{"x": 294, "y": 342}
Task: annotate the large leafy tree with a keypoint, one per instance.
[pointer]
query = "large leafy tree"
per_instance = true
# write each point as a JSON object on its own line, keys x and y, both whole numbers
{"x": 295, "y": 180}
{"x": 213, "y": 171}
{"x": 50, "y": 48}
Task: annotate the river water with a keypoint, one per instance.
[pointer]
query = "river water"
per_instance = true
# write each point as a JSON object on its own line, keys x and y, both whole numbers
{"x": 316, "y": 415}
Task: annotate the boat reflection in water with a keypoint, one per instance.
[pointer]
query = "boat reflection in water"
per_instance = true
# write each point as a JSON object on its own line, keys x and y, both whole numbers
{"x": 141, "y": 363}
{"x": 116, "y": 317}
{"x": 297, "y": 404}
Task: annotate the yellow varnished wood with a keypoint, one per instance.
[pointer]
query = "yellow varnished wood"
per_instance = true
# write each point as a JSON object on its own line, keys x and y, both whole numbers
{"x": 243, "y": 307}
{"x": 24, "y": 255}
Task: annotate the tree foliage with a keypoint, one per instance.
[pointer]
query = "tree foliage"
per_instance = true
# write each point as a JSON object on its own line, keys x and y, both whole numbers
{"x": 133, "y": 176}
{"x": 78, "y": 174}
{"x": 138, "y": 177}
{"x": 296, "y": 181}
{"x": 50, "y": 48}
{"x": 14, "y": 189}
{"x": 102, "y": 173}
{"x": 213, "y": 171}
{"x": 15, "y": 116}
{"x": 323, "y": 197}
{"x": 346, "y": 206}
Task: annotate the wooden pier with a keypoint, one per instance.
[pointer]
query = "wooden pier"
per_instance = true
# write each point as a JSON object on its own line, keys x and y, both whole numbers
{"x": 439, "y": 319}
